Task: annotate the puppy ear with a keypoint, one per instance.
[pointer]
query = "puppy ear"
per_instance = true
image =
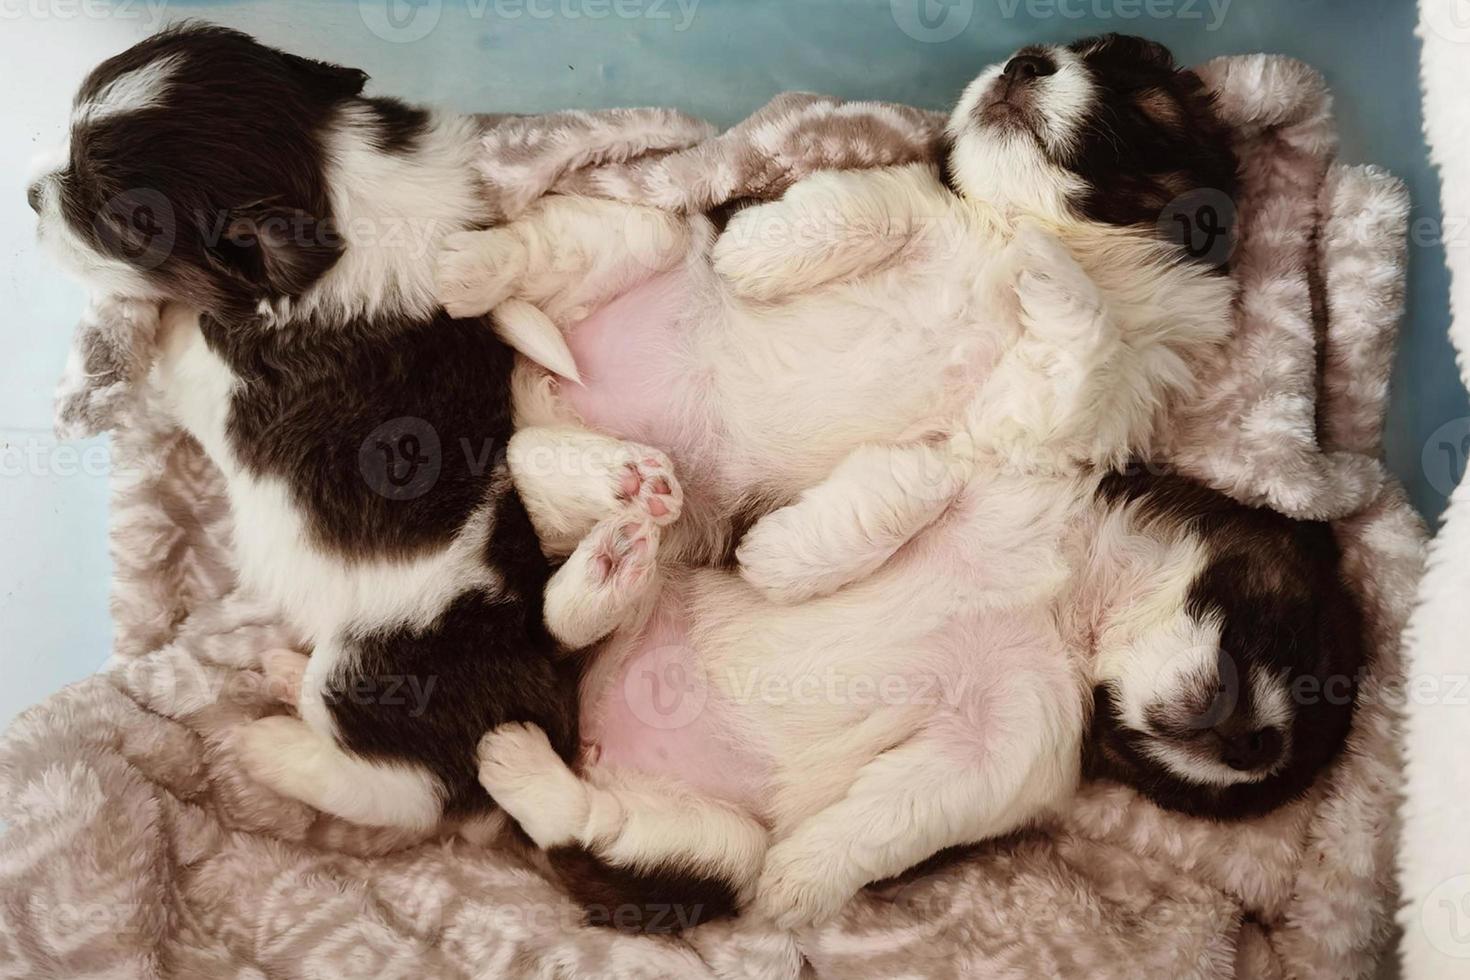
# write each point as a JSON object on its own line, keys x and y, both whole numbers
{"x": 278, "y": 251}
{"x": 333, "y": 81}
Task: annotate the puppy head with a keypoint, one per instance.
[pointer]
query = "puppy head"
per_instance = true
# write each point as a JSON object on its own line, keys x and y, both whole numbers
{"x": 1225, "y": 686}
{"x": 195, "y": 168}
{"x": 1105, "y": 129}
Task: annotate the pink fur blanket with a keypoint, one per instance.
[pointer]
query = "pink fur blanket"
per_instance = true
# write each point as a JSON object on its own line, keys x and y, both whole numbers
{"x": 136, "y": 847}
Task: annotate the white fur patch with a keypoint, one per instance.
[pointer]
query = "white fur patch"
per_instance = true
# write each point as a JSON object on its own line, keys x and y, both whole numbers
{"x": 141, "y": 88}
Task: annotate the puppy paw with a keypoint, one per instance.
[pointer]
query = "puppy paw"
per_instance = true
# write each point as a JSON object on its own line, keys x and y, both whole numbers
{"x": 528, "y": 780}
{"x": 268, "y": 748}
{"x": 647, "y": 482}
{"x": 624, "y": 553}
{"x": 283, "y": 672}
{"x": 770, "y": 559}
{"x": 477, "y": 270}
{"x": 1058, "y": 300}
{"x": 798, "y": 888}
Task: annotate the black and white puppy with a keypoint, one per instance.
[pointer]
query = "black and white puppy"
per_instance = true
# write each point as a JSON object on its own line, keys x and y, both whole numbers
{"x": 1254, "y": 692}
{"x": 362, "y": 430}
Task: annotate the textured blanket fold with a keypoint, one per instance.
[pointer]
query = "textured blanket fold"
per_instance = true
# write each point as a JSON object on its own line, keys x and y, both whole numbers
{"x": 136, "y": 847}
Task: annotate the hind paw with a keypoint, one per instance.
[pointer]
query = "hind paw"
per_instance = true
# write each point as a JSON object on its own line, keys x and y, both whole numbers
{"x": 528, "y": 780}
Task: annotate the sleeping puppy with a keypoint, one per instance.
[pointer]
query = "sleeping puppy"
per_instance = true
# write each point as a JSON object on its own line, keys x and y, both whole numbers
{"x": 870, "y": 307}
{"x": 361, "y": 430}
{"x": 931, "y": 364}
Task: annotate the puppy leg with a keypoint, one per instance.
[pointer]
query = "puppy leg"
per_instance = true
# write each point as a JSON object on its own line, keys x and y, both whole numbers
{"x": 622, "y": 819}
{"x": 831, "y": 225}
{"x": 567, "y": 255}
{"x": 570, "y": 479}
{"x": 1063, "y": 395}
{"x": 605, "y": 581}
{"x": 950, "y": 785}
{"x": 293, "y": 759}
{"x": 847, "y": 526}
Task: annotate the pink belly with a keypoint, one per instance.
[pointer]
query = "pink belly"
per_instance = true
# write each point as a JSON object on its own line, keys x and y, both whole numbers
{"x": 634, "y": 358}
{"x": 658, "y": 713}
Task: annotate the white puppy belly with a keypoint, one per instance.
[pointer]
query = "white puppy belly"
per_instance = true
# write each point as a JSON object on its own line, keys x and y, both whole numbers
{"x": 653, "y": 708}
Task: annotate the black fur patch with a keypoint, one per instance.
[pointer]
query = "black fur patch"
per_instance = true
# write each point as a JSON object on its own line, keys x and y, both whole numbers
{"x": 219, "y": 192}
{"x": 323, "y": 408}
{"x": 1151, "y": 137}
{"x": 388, "y": 432}
{"x": 1277, "y": 585}
{"x": 661, "y": 901}
{"x": 400, "y": 126}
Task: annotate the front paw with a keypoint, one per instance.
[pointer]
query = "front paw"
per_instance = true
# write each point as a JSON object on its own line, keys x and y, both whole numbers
{"x": 477, "y": 270}
{"x": 1058, "y": 300}
{"x": 528, "y": 780}
{"x": 770, "y": 559}
{"x": 799, "y": 887}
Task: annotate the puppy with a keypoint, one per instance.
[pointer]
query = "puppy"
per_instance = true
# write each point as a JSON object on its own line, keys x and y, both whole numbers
{"x": 932, "y": 365}
{"x": 869, "y": 307}
{"x": 361, "y": 430}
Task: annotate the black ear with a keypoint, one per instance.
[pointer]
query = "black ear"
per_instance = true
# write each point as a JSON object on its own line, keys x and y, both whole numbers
{"x": 276, "y": 250}
{"x": 325, "y": 78}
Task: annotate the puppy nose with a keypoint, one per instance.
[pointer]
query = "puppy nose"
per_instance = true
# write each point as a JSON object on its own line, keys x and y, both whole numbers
{"x": 1249, "y": 750}
{"x": 33, "y": 197}
{"x": 1026, "y": 66}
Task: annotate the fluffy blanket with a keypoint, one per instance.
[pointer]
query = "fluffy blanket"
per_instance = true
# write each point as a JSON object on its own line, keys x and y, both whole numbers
{"x": 1435, "y": 860}
{"x": 136, "y": 847}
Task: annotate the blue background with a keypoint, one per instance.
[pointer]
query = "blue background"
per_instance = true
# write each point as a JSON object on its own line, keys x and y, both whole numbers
{"x": 719, "y": 59}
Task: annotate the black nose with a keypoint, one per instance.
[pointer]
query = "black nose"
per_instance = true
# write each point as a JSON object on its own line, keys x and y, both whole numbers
{"x": 1250, "y": 750}
{"x": 33, "y": 197}
{"x": 1025, "y": 66}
